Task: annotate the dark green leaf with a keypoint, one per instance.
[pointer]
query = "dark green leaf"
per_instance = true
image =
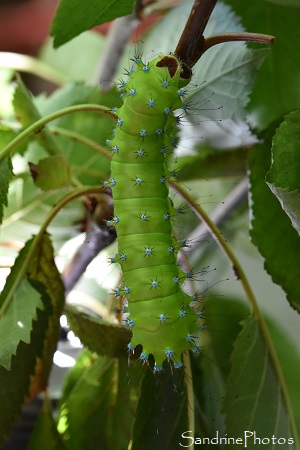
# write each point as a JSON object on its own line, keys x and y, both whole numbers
{"x": 277, "y": 89}
{"x": 85, "y": 386}
{"x": 124, "y": 411}
{"x": 254, "y": 400}
{"x": 45, "y": 431}
{"x": 288, "y": 356}
{"x": 74, "y": 16}
{"x": 162, "y": 411}
{"x": 99, "y": 336}
{"x": 284, "y": 176}
{"x": 51, "y": 173}
{"x": 89, "y": 166}
{"x": 6, "y": 173}
{"x": 210, "y": 163}
{"x": 291, "y": 3}
{"x": 43, "y": 270}
{"x": 271, "y": 231}
{"x": 212, "y": 367}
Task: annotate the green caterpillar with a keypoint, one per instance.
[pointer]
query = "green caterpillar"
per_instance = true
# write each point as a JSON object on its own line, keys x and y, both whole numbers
{"x": 160, "y": 314}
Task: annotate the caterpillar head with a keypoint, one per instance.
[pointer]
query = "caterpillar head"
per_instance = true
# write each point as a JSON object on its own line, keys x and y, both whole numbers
{"x": 178, "y": 70}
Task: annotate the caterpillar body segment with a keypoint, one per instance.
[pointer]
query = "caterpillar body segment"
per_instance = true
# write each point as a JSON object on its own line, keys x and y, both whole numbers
{"x": 159, "y": 312}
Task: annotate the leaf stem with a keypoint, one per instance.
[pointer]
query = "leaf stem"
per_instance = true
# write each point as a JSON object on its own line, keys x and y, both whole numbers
{"x": 240, "y": 274}
{"x": 37, "y": 126}
{"x": 234, "y": 37}
{"x": 84, "y": 140}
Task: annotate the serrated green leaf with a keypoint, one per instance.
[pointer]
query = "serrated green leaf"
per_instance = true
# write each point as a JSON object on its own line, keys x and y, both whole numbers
{"x": 30, "y": 366}
{"x": 43, "y": 270}
{"x": 51, "y": 173}
{"x": 162, "y": 411}
{"x": 15, "y": 383}
{"x": 254, "y": 400}
{"x": 45, "y": 431}
{"x": 284, "y": 176}
{"x": 6, "y": 173}
{"x": 99, "y": 336}
{"x": 16, "y": 320}
{"x": 28, "y": 206}
{"x": 288, "y": 356}
{"x": 271, "y": 231}
{"x": 88, "y": 165}
{"x": 27, "y": 114}
{"x": 277, "y": 88}
{"x": 212, "y": 367}
{"x": 73, "y": 16}
{"x": 222, "y": 80}
{"x": 20, "y": 300}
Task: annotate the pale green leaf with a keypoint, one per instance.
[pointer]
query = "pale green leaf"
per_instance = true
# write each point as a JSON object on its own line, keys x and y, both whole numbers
{"x": 222, "y": 79}
{"x": 65, "y": 59}
{"x": 51, "y": 173}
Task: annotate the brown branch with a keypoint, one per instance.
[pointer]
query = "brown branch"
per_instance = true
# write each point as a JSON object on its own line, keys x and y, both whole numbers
{"x": 190, "y": 45}
{"x": 240, "y": 36}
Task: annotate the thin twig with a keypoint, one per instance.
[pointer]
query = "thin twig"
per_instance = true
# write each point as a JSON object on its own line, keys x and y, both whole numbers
{"x": 117, "y": 39}
{"x": 38, "y": 126}
{"x": 218, "y": 215}
{"x": 98, "y": 238}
